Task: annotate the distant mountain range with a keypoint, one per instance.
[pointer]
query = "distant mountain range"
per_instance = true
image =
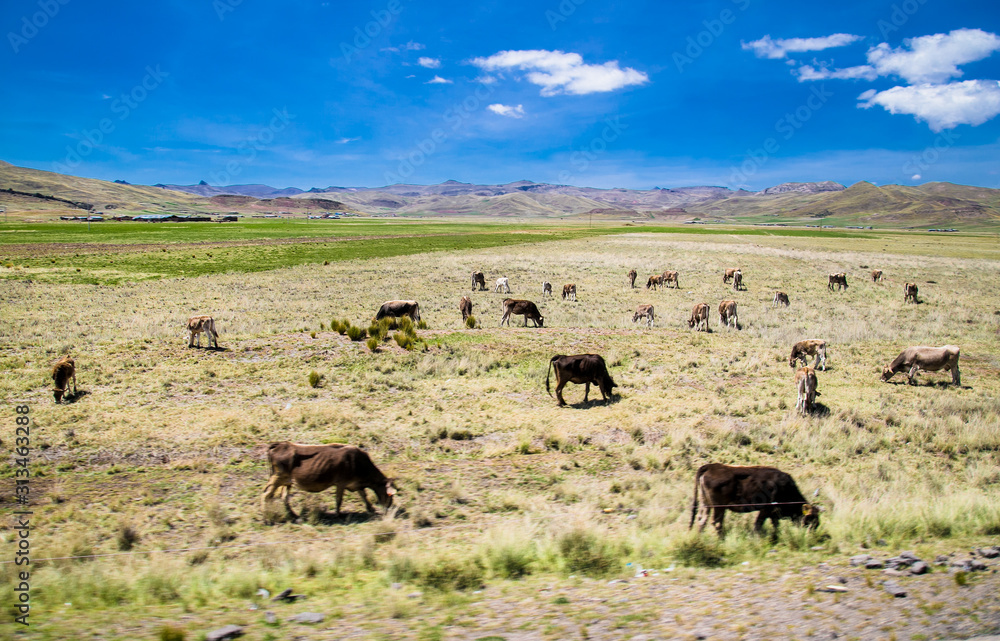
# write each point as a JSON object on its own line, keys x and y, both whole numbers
{"x": 827, "y": 203}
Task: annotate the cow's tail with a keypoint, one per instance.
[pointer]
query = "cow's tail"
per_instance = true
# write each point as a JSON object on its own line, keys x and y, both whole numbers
{"x": 547, "y": 372}
{"x": 694, "y": 502}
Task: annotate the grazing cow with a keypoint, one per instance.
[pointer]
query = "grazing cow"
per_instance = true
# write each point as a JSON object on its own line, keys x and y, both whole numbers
{"x": 738, "y": 280}
{"x": 654, "y": 281}
{"x": 502, "y": 284}
{"x": 199, "y": 324}
{"x": 729, "y": 274}
{"x": 523, "y": 308}
{"x": 546, "y": 288}
{"x": 809, "y": 347}
{"x": 581, "y": 368}
{"x": 569, "y": 291}
{"x": 929, "y": 359}
{"x": 398, "y": 309}
{"x": 805, "y": 383}
{"x": 670, "y": 277}
{"x": 780, "y": 298}
{"x": 727, "y": 314}
{"x": 478, "y": 281}
{"x": 839, "y": 280}
{"x": 755, "y": 488}
{"x": 632, "y": 274}
{"x": 876, "y": 275}
{"x": 644, "y": 311}
{"x": 465, "y": 306}
{"x": 910, "y": 293}
{"x": 62, "y": 371}
{"x": 699, "y": 317}
{"x": 314, "y": 468}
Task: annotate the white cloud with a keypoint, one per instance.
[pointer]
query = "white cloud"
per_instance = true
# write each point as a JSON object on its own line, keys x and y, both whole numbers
{"x": 344, "y": 141}
{"x": 972, "y": 102}
{"x": 559, "y": 72}
{"x": 409, "y": 46}
{"x": 768, "y": 48}
{"x": 430, "y": 63}
{"x": 438, "y": 80}
{"x": 933, "y": 58}
{"x": 507, "y": 110}
{"x": 862, "y": 72}
{"x": 916, "y": 177}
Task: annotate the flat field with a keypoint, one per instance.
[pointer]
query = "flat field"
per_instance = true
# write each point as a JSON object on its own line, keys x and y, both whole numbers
{"x": 514, "y": 515}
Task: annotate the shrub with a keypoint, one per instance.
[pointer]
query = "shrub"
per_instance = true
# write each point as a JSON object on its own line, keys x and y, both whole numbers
{"x": 451, "y": 573}
{"x": 470, "y": 322}
{"x": 335, "y": 325}
{"x": 171, "y": 633}
{"x": 312, "y": 334}
{"x": 421, "y": 324}
{"x": 406, "y": 326}
{"x": 373, "y": 343}
{"x": 126, "y": 537}
{"x": 584, "y": 553}
{"x": 403, "y": 340}
{"x": 343, "y": 326}
{"x": 356, "y": 333}
{"x": 699, "y": 551}
{"x": 315, "y": 379}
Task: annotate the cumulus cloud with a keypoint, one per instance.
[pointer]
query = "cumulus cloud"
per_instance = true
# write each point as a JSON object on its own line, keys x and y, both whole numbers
{"x": 861, "y": 72}
{"x": 933, "y": 58}
{"x": 971, "y": 102}
{"x": 409, "y": 46}
{"x": 430, "y": 63}
{"x": 507, "y": 110}
{"x": 438, "y": 80}
{"x": 560, "y": 72}
{"x": 768, "y": 48}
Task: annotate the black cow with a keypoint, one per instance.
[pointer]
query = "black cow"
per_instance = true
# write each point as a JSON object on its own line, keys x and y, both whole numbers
{"x": 581, "y": 368}
{"x": 465, "y": 306}
{"x": 753, "y": 488}
{"x": 478, "y": 281}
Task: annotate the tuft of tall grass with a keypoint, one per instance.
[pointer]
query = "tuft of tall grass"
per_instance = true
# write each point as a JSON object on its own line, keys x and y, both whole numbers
{"x": 470, "y": 321}
{"x": 403, "y": 340}
{"x": 356, "y": 333}
{"x": 315, "y": 378}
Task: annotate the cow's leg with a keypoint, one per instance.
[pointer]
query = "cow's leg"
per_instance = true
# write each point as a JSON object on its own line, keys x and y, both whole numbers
{"x": 340, "y": 498}
{"x": 912, "y": 374}
{"x": 286, "y": 493}
{"x": 956, "y": 377}
{"x": 269, "y": 489}
{"x": 191, "y": 339}
{"x": 559, "y": 388}
{"x": 74, "y": 380}
{"x": 762, "y": 517}
{"x": 718, "y": 520}
{"x": 586, "y": 391}
{"x": 364, "y": 497}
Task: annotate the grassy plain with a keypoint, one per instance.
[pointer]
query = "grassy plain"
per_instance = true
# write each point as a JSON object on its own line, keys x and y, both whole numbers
{"x": 164, "y": 449}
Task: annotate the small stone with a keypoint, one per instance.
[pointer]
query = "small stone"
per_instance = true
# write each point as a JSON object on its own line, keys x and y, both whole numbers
{"x": 816, "y": 548}
{"x": 414, "y": 595}
{"x": 224, "y": 633}
{"x": 882, "y": 542}
{"x": 397, "y": 586}
{"x": 989, "y": 553}
{"x": 941, "y": 559}
{"x": 874, "y": 564}
{"x": 892, "y": 572}
{"x": 920, "y": 568}
{"x": 270, "y": 617}
{"x": 894, "y": 589}
{"x": 976, "y": 565}
{"x": 860, "y": 559}
{"x": 307, "y": 617}
{"x": 832, "y": 588}
{"x": 910, "y": 556}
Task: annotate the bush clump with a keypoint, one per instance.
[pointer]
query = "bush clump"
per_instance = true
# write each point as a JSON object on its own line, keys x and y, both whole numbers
{"x": 356, "y": 333}
{"x": 315, "y": 379}
{"x": 373, "y": 343}
{"x": 470, "y": 321}
{"x": 700, "y": 551}
{"x": 584, "y": 553}
{"x": 403, "y": 340}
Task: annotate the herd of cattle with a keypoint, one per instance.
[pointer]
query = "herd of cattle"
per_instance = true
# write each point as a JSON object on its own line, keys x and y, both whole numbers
{"x": 766, "y": 490}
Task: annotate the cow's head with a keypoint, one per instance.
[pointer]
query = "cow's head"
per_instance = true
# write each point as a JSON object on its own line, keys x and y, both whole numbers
{"x": 810, "y": 515}
{"x": 541, "y": 321}
{"x": 386, "y": 493}
{"x": 887, "y": 373}
{"x": 58, "y": 394}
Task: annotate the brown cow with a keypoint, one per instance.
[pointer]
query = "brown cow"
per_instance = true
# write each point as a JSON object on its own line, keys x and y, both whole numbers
{"x": 62, "y": 371}
{"x": 654, "y": 281}
{"x": 809, "y": 347}
{"x": 805, "y": 383}
{"x": 876, "y": 275}
{"x": 199, "y": 324}
{"x": 910, "y": 293}
{"x": 581, "y": 368}
{"x": 738, "y": 281}
{"x": 398, "y": 309}
{"x": 729, "y": 274}
{"x": 478, "y": 281}
{"x": 727, "y": 314}
{"x": 632, "y": 274}
{"x": 929, "y": 359}
{"x": 780, "y": 298}
{"x": 699, "y": 317}
{"x": 523, "y": 308}
{"x": 839, "y": 280}
{"x": 465, "y": 306}
{"x": 569, "y": 291}
{"x": 755, "y": 488}
{"x": 314, "y": 468}
{"x": 644, "y": 311}
{"x": 670, "y": 277}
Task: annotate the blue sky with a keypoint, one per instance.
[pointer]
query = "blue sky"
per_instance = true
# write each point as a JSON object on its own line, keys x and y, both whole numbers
{"x": 586, "y": 92}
